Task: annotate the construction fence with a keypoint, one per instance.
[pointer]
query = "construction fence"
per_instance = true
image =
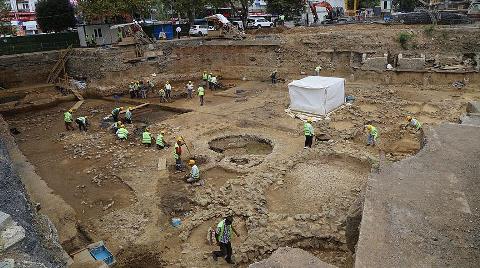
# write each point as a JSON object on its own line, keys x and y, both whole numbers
{"x": 39, "y": 42}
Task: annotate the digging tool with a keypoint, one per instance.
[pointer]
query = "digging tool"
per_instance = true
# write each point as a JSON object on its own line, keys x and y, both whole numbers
{"x": 186, "y": 145}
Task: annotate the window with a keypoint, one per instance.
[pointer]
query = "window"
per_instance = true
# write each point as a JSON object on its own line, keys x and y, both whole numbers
{"x": 97, "y": 32}
{"x": 385, "y": 4}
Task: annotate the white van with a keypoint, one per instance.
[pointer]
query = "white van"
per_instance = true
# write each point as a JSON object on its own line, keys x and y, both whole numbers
{"x": 198, "y": 30}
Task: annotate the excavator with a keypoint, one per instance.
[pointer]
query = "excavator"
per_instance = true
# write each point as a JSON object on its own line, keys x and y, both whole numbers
{"x": 333, "y": 12}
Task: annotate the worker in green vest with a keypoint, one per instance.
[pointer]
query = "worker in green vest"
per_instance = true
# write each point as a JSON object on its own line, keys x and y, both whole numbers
{"x": 372, "y": 134}
{"x": 82, "y": 123}
{"x": 223, "y": 235}
{"x": 205, "y": 76}
{"x": 128, "y": 116}
{"x": 161, "y": 140}
{"x": 147, "y": 138}
{"x": 116, "y": 112}
{"x": 201, "y": 94}
{"x": 67, "y": 117}
{"x": 194, "y": 175}
{"x": 309, "y": 133}
{"x": 122, "y": 133}
{"x": 209, "y": 80}
{"x": 317, "y": 70}
{"x": 413, "y": 123}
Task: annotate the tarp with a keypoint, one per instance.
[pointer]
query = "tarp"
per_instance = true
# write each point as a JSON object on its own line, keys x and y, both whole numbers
{"x": 317, "y": 94}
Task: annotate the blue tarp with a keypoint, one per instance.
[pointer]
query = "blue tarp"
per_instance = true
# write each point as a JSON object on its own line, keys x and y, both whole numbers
{"x": 166, "y": 28}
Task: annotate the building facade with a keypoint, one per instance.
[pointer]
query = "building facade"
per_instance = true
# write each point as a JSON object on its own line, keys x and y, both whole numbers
{"x": 22, "y": 16}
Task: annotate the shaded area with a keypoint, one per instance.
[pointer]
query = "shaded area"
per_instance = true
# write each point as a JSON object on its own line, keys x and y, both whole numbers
{"x": 238, "y": 145}
{"x": 422, "y": 211}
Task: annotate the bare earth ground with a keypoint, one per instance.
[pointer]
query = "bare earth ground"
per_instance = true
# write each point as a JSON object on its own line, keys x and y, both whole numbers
{"x": 289, "y": 196}
{"x": 250, "y": 152}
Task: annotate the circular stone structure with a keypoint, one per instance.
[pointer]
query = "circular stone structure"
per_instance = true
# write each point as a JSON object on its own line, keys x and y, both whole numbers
{"x": 236, "y": 145}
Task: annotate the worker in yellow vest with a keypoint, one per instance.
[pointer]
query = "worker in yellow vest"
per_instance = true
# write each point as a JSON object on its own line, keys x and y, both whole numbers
{"x": 205, "y": 76}
{"x": 372, "y": 135}
{"x": 309, "y": 133}
{"x": 68, "y": 118}
{"x": 147, "y": 138}
{"x": 201, "y": 94}
{"x": 122, "y": 133}
{"x": 414, "y": 123}
{"x": 223, "y": 235}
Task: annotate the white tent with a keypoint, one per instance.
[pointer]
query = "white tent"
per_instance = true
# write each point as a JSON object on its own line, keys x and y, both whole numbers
{"x": 316, "y": 94}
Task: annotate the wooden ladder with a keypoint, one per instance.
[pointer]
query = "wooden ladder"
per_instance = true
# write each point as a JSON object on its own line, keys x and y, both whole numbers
{"x": 59, "y": 66}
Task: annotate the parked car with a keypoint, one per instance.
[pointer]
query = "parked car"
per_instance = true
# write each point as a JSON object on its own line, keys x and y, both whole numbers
{"x": 258, "y": 23}
{"x": 198, "y": 30}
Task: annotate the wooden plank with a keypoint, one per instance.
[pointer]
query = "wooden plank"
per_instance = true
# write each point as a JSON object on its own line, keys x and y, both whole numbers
{"x": 136, "y": 107}
{"x": 77, "y": 105}
{"x": 162, "y": 163}
{"x": 76, "y": 93}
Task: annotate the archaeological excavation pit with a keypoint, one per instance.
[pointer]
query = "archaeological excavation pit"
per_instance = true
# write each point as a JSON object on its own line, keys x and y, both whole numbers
{"x": 241, "y": 145}
{"x": 327, "y": 184}
{"x": 81, "y": 169}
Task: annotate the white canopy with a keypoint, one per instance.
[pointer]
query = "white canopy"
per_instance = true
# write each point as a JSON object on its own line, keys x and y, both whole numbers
{"x": 317, "y": 94}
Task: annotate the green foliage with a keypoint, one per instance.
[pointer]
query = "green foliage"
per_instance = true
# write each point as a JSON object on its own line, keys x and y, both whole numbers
{"x": 404, "y": 38}
{"x": 5, "y": 26}
{"x": 55, "y": 15}
{"x": 407, "y": 5}
{"x": 428, "y": 30}
{"x": 289, "y": 8}
{"x": 100, "y": 9}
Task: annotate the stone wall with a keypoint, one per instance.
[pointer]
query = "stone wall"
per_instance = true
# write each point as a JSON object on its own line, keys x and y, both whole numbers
{"x": 26, "y": 69}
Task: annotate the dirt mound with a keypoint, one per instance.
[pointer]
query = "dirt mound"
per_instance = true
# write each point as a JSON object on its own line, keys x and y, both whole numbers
{"x": 291, "y": 257}
{"x": 273, "y": 30}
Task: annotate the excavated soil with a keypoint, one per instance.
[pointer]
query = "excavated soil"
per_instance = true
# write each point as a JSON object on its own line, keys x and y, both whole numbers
{"x": 249, "y": 151}
{"x": 326, "y": 184}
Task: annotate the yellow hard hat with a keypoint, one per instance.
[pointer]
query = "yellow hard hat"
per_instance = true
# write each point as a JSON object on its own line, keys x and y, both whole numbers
{"x": 190, "y": 82}
{"x": 162, "y": 132}
{"x": 122, "y": 126}
{"x": 130, "y": 108}
{"x": 191, "y": 162}
{"x": 119, "y": 122}
{"x": 409, "y": 118}
{"x": 146, "y": 129}
{"x": 369, "y": 127}
{"x": 121, "y": 108}
{"x": 70, "y": 111}
{"x": 309, "y": 120}
{"x": 179, "y": 139}
{"x": 168, "y": 82}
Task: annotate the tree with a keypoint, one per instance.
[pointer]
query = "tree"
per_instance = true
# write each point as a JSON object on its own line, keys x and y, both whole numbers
{"x": 244, "y": 4}
{"x": 55, "y": 15}
{"x": 101, "y": 9}
{"x": 5, "y": 26}
{"x": 289, "y": 8}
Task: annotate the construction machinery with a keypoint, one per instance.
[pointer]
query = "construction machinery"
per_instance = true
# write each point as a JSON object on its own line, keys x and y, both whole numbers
{"x": 351, "y": 12}
{"x": 474, "y": 10}
{"x": 225, "y": 28}
{"x": 333, "y": 12}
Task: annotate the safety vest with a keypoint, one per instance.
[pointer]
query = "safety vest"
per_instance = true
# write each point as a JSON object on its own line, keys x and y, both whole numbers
{"x": 317, "y": 69}
{"x": 205, "y": 76}
{"x": 160, "y": 140}
{"x": 67, "y": 116}
{"x": 122, "y": 133}
{"x": 374, "y": 132}
{"x": 195, "y": 172}
{"x": 168, "y": 87}
{"x": 128, "y": 114}
{"x": 175, "y": 154}
{"x": 415, "y": 123}
{"x": 221, "y": 230}
{"x": 209, "y": 78}
{"x": 308, "y": 129}
{"x": 146, "y": 137}
{"x": 201, "y": 91}
{"x": 116, "y": 111}
{"x": 82, "y": 119}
